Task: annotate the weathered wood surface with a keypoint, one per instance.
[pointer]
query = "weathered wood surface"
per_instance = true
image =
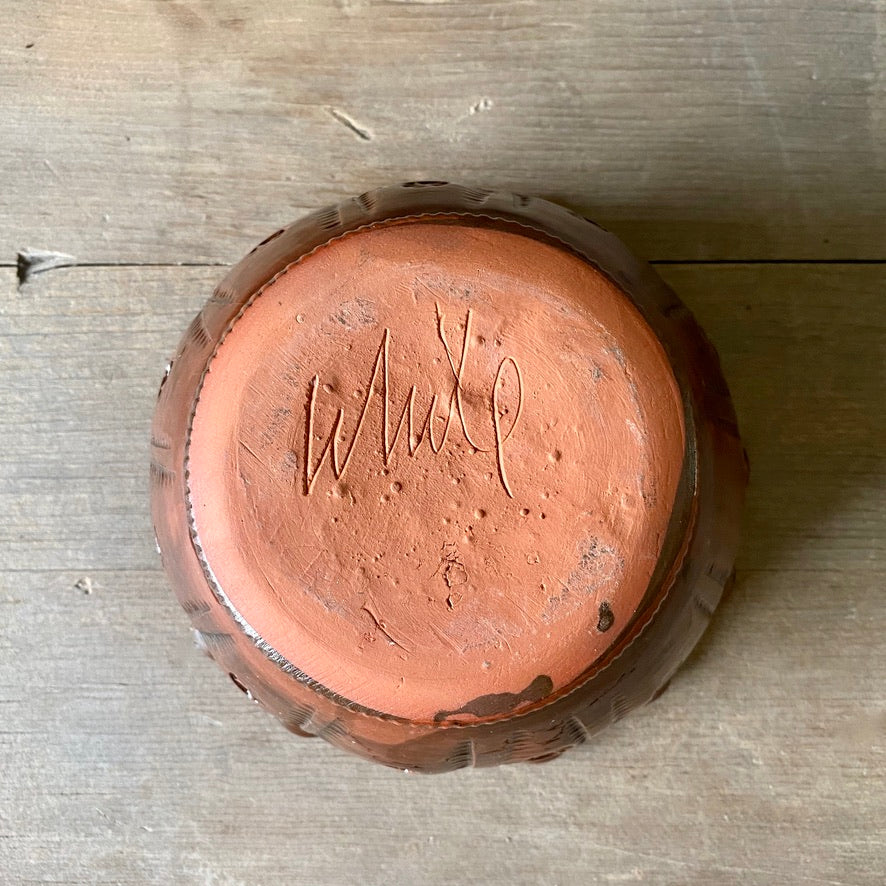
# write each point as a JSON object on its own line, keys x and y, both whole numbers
{"x": 129, "y": 758}
{"x": 140, "y": 135}
{"x": 147, "y": 131}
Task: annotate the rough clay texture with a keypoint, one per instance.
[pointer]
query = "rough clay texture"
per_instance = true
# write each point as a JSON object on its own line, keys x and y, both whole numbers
{"x": 433, "y": 464}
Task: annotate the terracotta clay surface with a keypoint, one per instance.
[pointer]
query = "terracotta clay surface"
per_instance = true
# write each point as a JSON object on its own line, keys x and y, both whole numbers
{"x": 432, "y": 465}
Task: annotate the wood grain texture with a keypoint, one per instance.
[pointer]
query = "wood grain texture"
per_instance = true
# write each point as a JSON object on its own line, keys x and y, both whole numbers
{"x": 185, "y": 130}
{"x": 140, "y": 135}
{"x": 128, "y": 758}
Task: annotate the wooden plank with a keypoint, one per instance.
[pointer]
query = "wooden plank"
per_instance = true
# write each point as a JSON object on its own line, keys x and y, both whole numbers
{"x": 128, "y": 758}
{"x": 187, "y": 131}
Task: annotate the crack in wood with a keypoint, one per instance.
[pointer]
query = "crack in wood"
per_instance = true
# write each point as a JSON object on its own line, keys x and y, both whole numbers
{"x": 30, "y": 262}
{"x": 36, "y": 261}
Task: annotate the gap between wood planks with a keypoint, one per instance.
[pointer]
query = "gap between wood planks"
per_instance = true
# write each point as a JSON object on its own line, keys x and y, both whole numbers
{"x": 31, "y": 262}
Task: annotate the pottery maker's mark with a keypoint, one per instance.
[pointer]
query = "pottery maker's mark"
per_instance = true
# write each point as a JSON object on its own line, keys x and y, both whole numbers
{"x": 415, "y": 436}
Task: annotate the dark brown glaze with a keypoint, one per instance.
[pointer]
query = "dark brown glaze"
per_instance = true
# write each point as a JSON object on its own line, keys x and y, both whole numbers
{"x": 424, "y": 692}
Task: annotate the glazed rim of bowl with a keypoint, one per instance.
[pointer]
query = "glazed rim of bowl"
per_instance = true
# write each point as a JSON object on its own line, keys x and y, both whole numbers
{"x": 683, "y": 515}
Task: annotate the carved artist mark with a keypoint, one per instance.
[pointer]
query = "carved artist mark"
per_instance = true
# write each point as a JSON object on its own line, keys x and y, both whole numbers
{"x": 339, "y": 454}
